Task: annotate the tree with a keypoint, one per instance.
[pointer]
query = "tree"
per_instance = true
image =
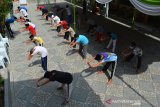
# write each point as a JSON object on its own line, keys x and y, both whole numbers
{"x": 5, "y": 9}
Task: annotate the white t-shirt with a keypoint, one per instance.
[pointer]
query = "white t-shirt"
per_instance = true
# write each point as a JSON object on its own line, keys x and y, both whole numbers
{"x": 56, "y": 19}
{"x": 24, "y": 12}
{"x": 41, "y": 50}
{"x": 33, "y": 25}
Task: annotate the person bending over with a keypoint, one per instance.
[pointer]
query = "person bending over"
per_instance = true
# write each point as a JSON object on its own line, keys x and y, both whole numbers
{"x": 63, "y": 77}
{"x": 102, "y": 57}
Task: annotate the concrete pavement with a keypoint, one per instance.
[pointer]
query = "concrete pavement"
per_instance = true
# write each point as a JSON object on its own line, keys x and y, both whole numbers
{"x": 88, "y": 89}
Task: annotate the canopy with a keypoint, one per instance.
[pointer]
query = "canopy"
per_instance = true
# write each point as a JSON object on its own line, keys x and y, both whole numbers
{"x": 149, "y": 7}
{"x": 103, "y": 1}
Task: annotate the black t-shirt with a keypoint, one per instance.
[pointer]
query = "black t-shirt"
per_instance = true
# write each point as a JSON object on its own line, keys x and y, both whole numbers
{"x": 62, "y": 77}
{"x": 44, "y": 10}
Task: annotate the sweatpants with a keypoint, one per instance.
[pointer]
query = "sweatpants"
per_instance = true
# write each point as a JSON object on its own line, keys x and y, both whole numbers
{"x": 106, "y": 66}
{"x": 83, "y": 50}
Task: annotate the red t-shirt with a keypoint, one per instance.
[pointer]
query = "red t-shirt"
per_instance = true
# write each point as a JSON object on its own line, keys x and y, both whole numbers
{"x": 40, "y": 7}
{"x": 64, "y": 24}
{"x": 31, "y": 30}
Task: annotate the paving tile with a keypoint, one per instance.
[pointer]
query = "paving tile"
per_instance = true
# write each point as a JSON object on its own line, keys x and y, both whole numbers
{"x": 41, "y": 98}
{"x": 150, "y": 101}
{"x": 79, "y": 94}
{"x": 154, "y": 68}
{"x": 130, "y": 105}
{"x": 32, "y": 105}
{"x": 146, "y": 86}
{"x": 130, "y": 93}
{"x": 19, "y": 103}
{"x": 55, "y": 101}
{"x": 99, "y": 87}
{"x": 82, "y": 83}
{"x": 129, "y": 82}
{"x": 115, "y": 90}
{"x": 117, "y": 80}
{"x": 50, "y": 87}
{"x": 158, "y": 99}
{"x": 100, "y": 77}
{"x": 76, "y": 104}
{"x": 156, "y": 78}
{"x": 92, "y": 105}
{"x": 157, "y": 87}
{"x": 145, "y": 77}
{"x": 17, "y": 87}
{"x": 95, "y": 98}
{"x": 146, "y": 105}
{"x": 147, "y": 94}
{"x": 26, "y": 95}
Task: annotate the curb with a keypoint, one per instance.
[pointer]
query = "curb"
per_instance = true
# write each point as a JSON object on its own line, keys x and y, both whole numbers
{"x": 7, "y": 93}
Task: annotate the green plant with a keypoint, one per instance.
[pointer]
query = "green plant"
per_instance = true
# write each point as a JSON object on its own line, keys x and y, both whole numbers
{"x": 5, "y": 8}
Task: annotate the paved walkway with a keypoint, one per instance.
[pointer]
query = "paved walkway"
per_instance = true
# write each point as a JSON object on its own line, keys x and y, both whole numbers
{"x": 88, "y": 89}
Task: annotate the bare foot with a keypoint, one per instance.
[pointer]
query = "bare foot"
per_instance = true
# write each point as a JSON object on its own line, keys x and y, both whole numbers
{"x": 109, "y": 82}
{"x": 84, "y": 59}
{"x": 100, "y": 72}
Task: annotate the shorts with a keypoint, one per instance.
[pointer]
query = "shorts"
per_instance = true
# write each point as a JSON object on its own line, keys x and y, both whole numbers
{"x": 66, "y": 36}
{"x": 31, "y": 36}
{"x": 58, "y": 29}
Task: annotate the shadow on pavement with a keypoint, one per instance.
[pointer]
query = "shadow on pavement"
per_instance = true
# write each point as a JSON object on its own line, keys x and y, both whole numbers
{"x": 81, "y": 94}
{"x": 71, "y": 52}
{"x": 16, "y": 32}
{"x": 36, "y": 62}
{"x": 46, "y": 24}
{"x": 51, "y": 30}
{"x": 89, "y": 71}
{"x": 62, "y": 43}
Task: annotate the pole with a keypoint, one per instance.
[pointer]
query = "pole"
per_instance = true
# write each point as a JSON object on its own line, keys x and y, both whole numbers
{"x": 133, "y": 19}
{"x": 74, "y": 23}
{"x": 107, "y": 9}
